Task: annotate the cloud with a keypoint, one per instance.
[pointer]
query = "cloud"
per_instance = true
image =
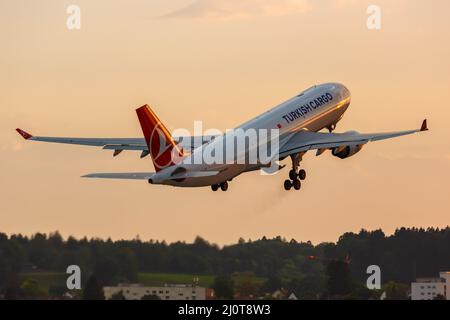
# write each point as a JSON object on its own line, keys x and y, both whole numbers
{"x": 244, "y": 9}
{"x": 344, "y": 3}
{"x": 240, "y": 9}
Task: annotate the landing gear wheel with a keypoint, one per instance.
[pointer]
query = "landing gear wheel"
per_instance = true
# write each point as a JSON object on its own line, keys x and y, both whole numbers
{"x": 292, "y": 174}
{"x": 302, "y": 174}
{"x": 297, "y": 184}
{"x": 331, "y": 127}
{"x": 215, "y": 187}
{"x": 224, "y": 186}
{"x": 287, "y": 185}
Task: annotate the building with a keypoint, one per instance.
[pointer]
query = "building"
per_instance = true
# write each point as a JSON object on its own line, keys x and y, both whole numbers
{"x": 431, "y": 288}
{"x": 167, "y": 292}
{"x": 283, "y": 294}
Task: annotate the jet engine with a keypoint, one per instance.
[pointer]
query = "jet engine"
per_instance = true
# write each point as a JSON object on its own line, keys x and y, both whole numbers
{"x": 347, "y": 151}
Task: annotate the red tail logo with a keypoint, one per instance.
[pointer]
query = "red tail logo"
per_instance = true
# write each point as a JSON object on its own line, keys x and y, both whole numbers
{"x": 163, "y": 150}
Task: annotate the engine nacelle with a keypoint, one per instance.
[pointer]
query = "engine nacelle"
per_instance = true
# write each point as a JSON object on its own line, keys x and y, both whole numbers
{"x": 347, "y": 151}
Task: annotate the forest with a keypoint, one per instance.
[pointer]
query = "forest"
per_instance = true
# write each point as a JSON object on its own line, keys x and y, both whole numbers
{"x": 301, "y": 266}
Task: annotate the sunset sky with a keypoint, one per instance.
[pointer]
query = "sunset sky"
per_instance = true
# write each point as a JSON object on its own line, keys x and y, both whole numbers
{"x": 222, "y": 62}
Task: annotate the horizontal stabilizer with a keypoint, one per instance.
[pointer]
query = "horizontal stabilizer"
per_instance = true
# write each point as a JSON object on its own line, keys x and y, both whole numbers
{"x": 195, "y": 174}
{"x": 124, "y": 175}
{"x": 148, "y": 175}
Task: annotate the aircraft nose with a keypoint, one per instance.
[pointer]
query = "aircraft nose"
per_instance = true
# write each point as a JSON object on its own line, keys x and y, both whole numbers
{"x": 344, "y": 91}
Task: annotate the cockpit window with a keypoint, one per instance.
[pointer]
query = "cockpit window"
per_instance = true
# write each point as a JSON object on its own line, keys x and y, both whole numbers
{"x": 302, "y": 93}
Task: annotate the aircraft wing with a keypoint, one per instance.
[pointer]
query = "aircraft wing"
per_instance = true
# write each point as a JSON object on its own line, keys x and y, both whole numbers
{"x": 305, "y": 140}
{"x": 118, "y": 144}
{"x": 133, "y": 143}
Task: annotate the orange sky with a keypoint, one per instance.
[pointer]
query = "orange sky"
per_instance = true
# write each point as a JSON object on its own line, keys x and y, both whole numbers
{"x": 221, "y": 62}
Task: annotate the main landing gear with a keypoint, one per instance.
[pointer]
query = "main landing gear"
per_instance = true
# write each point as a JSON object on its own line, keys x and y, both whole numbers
{"x": 223, "y": 186}
{"x": 295, "y": 175}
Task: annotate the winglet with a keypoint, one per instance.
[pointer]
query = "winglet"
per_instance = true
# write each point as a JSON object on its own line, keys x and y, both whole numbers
{"x": 424, "y": 126}
{"x": 24, "y": 134}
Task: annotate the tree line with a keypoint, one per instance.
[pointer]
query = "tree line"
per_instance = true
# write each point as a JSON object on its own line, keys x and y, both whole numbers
{"x": 406, "y": 254}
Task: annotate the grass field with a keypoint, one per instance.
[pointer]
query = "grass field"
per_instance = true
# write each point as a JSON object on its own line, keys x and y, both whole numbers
{"x": 46, "y": 279}
{"x": 55, "y": 279}
{"x": 159, "y": 279}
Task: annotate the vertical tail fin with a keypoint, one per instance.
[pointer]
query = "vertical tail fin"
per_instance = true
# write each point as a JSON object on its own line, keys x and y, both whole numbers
{"x": 162, "y": 148}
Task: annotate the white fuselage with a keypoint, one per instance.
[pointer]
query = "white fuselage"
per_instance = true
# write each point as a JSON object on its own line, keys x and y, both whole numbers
{"x": 314, "y": 109}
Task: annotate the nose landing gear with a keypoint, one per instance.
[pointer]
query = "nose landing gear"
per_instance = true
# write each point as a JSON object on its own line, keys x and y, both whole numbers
{"x": 223, "y": 186}
{"x": 331, "y": 127}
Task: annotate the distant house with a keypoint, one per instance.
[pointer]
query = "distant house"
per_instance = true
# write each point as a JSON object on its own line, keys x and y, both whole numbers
{"x": 280, "y": 294}
{"x": 431, "y": 288}
{"x": 167, "y": 292}
{"x": 283, "y": 294}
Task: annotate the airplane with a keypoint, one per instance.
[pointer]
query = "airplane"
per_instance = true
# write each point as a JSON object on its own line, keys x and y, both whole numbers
{"x": 299, "y": 121}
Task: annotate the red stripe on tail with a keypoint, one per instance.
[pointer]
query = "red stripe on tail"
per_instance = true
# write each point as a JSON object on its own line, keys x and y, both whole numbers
{"x": 163, "y": 150}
